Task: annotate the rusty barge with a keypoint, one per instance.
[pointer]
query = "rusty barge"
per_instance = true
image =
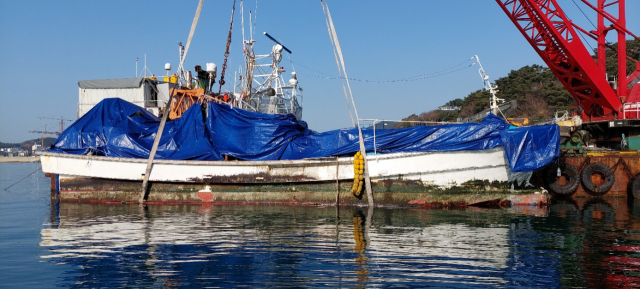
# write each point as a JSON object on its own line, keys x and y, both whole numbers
{"x": 595, "y": 174}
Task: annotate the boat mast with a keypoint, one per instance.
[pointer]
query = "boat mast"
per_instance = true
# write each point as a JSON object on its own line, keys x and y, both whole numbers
{"x": 270, "y": 94}
{"x": 492, "y": 88}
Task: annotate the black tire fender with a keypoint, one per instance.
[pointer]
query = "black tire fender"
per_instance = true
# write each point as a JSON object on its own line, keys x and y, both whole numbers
{"x": 634, "y": 186}
{"x": 597, "y": 168}
{"x": 569, "y": 172}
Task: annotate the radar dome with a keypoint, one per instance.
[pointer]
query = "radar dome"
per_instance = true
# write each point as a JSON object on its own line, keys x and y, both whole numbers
{"x": 211, "y": 67}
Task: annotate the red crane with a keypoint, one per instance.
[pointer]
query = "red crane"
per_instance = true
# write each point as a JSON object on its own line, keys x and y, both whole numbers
{"x": 554, "y": 37}
{"x": 62, "y": 121}
{"x": 45, "y": 131}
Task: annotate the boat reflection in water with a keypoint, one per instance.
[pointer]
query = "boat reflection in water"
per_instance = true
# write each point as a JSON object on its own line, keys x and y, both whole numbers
{"x": 574, "y": 244}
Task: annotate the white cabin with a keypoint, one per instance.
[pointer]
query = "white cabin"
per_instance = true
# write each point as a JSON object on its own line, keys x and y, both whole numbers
{"x": 144, "y": 92}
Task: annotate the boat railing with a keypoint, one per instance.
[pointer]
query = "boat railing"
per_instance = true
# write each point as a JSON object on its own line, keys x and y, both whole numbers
{"x": 392, "y": 124}
{"x": 561, "y": 116}
{"x": 632, "y": 108}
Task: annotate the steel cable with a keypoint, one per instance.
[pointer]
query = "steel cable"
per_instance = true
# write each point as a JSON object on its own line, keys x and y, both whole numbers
{"x": 407, "y": 79}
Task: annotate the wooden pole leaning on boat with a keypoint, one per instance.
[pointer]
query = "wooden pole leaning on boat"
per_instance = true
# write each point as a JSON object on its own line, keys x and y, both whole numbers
{"x": 337, "y": 182}
{"x": 343, "y": 71}
{"x": 156, "y": 141}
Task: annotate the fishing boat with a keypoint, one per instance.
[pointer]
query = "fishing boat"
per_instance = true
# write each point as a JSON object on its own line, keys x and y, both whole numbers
{"x": 221, "y": 153}
{"x": 252, "y": 146}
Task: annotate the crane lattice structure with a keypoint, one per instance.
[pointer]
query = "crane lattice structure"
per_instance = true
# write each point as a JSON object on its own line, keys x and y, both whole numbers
{"x": 45, "y": 131}
{"x": 555, "y": 39}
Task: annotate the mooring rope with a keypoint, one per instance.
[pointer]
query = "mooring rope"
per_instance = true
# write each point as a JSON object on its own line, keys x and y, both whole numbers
{"x": 7, "y": 188}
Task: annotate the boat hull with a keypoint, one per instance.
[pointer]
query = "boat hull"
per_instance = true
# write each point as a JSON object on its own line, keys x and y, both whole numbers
{"x": 435, "y": 168}
{"x": 398, "y": 178}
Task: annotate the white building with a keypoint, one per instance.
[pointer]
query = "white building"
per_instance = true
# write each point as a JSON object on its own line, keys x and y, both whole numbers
{"x": 449, "y": 108}
{"x": 36, "y": 147}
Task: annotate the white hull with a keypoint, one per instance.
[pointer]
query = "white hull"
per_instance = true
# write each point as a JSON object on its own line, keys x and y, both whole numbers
{"x": 433, "y": 168}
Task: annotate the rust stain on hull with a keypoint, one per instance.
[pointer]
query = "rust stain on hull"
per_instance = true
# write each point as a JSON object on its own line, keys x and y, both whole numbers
{"x": 390, "y": 193}
{"x": 251, "y": 179}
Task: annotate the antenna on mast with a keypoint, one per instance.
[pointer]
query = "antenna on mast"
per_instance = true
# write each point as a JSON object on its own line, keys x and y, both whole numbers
{"x": 145, "y": 69}
{"x": 145, "y": 65}
{"x": 255, "y": 19}
{"x": 276, "y": 41}
{"x": 242, "y": 20}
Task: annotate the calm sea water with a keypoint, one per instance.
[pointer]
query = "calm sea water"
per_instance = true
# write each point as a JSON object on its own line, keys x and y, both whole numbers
{"x": 571, "y": 244}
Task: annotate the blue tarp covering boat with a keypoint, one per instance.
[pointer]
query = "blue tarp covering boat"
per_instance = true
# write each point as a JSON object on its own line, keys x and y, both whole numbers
{"x": 117, "y": 128}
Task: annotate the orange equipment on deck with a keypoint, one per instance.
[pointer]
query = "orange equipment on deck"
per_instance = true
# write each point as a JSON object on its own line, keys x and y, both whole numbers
{"x": 185, "y": 98}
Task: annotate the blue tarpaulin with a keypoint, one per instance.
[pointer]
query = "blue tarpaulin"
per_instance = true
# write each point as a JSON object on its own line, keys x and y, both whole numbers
{"x": 117, "y": 128}
{"x": 530, "y": 148}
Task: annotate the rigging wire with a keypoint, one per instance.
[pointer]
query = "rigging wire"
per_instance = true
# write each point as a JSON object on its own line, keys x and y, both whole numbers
{"x": 594, "y": 27}
{"x": 407, "y": 79}
{"x": 580, "y": 32}
{"x": 585, "y": 15}
{"x": 607, "y": 44}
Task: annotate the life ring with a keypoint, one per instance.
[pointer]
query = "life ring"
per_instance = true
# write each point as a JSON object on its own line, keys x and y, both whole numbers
{"x": 634, "y": 186}
{"x": 569, "y": 172}
{"x": 597, "y": 169}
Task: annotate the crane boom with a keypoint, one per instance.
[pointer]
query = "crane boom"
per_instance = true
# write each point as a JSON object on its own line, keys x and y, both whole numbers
{"x": 552, "y": 35}
{"x": 45, "y": 131}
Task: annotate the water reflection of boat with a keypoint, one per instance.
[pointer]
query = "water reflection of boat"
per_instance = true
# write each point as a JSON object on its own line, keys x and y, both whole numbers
{"x": 115, "y": 245}
{"x": 346, "y": 248}
{"x": 180, "y": 242}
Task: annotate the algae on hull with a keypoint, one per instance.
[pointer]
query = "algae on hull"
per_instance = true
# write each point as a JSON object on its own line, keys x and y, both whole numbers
{"x": 397, "y": 193}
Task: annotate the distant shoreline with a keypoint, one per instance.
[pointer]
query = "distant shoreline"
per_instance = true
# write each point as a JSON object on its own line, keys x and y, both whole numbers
{"x": 19, "y": 159}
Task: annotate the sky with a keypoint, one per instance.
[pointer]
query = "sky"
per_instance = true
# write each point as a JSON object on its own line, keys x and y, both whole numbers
{"x": 48, "y": 46}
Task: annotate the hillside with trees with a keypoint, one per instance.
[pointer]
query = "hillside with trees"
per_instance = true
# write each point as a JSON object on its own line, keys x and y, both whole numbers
{"x": 26, "y": 145}
{"x": 537, "y": 91}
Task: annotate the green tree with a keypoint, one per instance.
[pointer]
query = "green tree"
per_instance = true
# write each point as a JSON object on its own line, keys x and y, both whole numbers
{"x": 633, "y": 52}
{"x": 539, "y": 94}
{"x": 455, "y": 102}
